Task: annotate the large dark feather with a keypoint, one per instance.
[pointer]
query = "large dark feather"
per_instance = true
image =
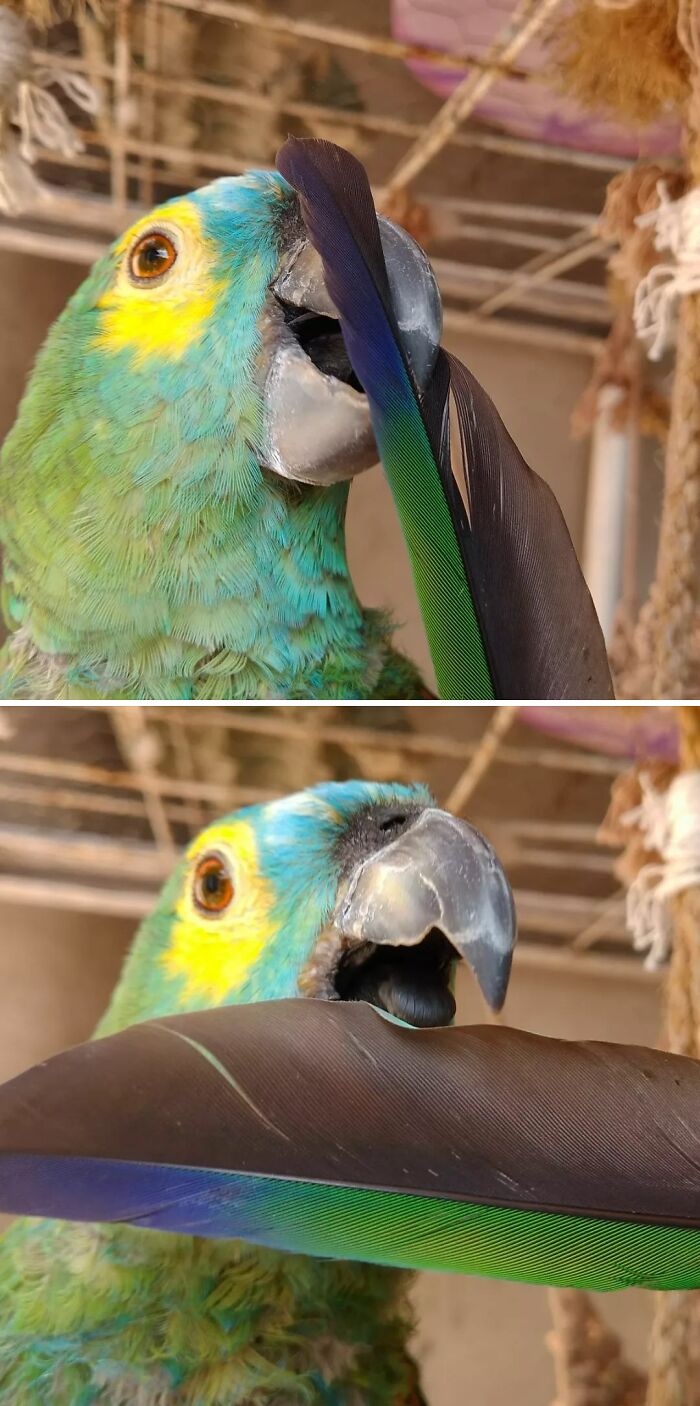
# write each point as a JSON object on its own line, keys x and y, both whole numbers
{"x": 506, "y": 608}
{"x": 327, "y": 1128}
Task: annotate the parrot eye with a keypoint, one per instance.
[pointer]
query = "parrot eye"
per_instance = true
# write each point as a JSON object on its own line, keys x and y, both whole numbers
{"x": 152, "y": 256}
{"x": 213, "y": 886}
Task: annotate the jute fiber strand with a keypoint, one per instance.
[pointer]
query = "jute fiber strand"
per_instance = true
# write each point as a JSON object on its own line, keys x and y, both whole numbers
{"x": 589, "y": 1366}
{"x": 592, "y": 45}
{"x": 590, "y": 1369}
{"x": 673, "y": 1375}
{"x": 31, "y": 118}
{"x": 668, "y": 625}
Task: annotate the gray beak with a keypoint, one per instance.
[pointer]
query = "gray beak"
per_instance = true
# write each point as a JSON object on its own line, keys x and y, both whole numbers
{"x": 438, "y": 875}
{"x": 317, "y": 426}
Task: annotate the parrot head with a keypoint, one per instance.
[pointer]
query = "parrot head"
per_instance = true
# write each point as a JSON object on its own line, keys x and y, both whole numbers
{"x": 173, "y": 491}
{"x": 218, "y": 300}
{"x": 350, "y": 891}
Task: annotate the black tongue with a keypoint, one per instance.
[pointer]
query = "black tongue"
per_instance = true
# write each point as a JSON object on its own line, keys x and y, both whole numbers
{"x": 411, "y": 983}
{"x": 327, "y": 351}
{"x": 423, "y": 1007}
{"x": 322, "y": 340}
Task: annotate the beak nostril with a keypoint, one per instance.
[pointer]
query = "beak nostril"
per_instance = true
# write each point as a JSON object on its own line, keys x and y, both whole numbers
{"x": 393, "y": 822}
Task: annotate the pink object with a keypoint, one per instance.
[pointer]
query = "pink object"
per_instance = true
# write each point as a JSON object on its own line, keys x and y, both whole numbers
{"x": 532, "y": 110}
{"x": 625, "y": 731}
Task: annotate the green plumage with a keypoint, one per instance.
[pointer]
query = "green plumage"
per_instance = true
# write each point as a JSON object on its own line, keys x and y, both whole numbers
{"x": 146, "y": 552}
{"x": 111, "y": 1316}
{"x": 325, "y": 1128}
{"x": 105, "y": 1314}
{"x": 319, "y": 1130}
{"x": 121, "y": 1317}
{"x": 533, "y": 1247}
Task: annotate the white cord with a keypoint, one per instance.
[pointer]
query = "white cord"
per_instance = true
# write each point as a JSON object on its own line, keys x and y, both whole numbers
{"x": 25, "y": 103}
{"x": 670, "y": 823}
{"x": 676, "y": 225}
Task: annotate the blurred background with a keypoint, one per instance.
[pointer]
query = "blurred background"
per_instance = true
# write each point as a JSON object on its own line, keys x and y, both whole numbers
{"x": 96, "y": 803}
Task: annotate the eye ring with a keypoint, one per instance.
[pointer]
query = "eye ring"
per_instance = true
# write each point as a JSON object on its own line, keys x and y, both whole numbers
{"x": 213, "y": 889}
{"x": 152, "y": 257}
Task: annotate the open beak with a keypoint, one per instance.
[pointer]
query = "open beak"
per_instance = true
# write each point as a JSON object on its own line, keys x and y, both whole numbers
{"x": 434, "y": 894}
{"x": 317, "y": 426}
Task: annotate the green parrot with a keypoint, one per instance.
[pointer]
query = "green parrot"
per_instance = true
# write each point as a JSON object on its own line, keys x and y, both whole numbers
{"x": 278, "y": 1082}
{"x": 173, "y": 492}
{"x": 351, "y": 890}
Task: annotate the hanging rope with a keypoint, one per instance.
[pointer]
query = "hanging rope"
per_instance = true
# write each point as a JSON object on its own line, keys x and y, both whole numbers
{"x": 670, "y": 823}
{"x": 589, "y": 1367}
{"x": 641, "y": 408}
{"x": 672, "y": 1376}
{"x": 668, "y": 631}
{"x": 676, "y": 227}
{"x": 26, "y": 105}
{"x": 655, "y": 813}
{"x": 661, "y": 656}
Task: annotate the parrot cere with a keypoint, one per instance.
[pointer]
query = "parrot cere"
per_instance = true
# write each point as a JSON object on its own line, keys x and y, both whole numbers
{"x": 173, "y": 492}
{"x": 354, "y": 892}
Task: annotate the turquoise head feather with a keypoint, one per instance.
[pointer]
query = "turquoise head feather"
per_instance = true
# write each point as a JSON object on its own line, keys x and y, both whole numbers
{"x": 322, "y": 1131}
{"x": 173, "y": 492}
{"x": 297, "y": 897}
{"x": 172, "y": 495}
{"x": 333, "y": 1126}
{"x": 258, "y": 907}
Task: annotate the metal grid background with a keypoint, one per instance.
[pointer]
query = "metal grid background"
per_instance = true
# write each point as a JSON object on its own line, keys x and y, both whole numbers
{"x": 96, "y": 803}
{"x": 192, "y": 89}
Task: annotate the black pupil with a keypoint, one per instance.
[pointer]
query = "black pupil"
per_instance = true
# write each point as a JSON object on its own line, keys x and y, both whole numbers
{"x": 152, "y": 256}
{"x": 212, "y": 881}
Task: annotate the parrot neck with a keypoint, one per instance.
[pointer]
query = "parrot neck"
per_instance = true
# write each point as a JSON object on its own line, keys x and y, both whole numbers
{"x": 166, "y": 1318}
{"x": 205, "y": 603}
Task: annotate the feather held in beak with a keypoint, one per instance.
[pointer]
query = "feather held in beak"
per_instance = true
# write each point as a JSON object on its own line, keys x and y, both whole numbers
{"x": 505, "y": 606}
{"x": 329, "y": 1129}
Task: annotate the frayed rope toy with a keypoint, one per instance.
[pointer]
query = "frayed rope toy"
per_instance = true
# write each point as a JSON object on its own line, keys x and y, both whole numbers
{"x": 676, "y": 225}
{"x": 26, "y": 104}
{"x": 670, "y": 822}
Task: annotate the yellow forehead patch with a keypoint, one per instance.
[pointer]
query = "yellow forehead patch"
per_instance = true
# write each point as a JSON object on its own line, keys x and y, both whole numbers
{"x": 170, "y": 316}
{"x": 215, "y": 955}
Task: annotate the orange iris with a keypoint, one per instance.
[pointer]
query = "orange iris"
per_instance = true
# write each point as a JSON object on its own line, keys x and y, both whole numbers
{"x": 154, "y": 254}
{"x": 213, "y": 884}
